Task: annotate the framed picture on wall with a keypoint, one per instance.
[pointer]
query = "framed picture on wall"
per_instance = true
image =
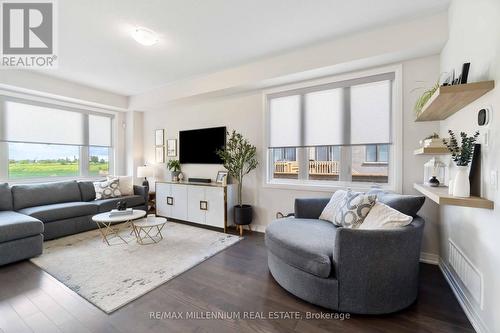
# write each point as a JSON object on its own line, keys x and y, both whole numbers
{"x": 159, "y": 137}
{"x": 171, "y": 147}
{"x": 160, "y": 154}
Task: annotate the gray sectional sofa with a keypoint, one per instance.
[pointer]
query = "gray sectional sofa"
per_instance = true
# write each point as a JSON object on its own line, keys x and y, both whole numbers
{"x": 32, "y": 213}
{"x": 348, "y": 270}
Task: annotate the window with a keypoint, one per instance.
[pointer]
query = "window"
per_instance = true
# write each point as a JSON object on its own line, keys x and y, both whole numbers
{"x": 377, "y": 154}
{"x": 55, "y": 142}
{"x": 338, "y": 132}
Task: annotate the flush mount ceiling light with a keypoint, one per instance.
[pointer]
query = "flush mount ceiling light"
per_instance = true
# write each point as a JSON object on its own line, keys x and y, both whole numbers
{"x": 144, "y": 36}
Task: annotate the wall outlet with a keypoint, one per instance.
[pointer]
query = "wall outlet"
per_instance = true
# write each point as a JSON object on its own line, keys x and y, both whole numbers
{"x": 486, "y": 138}
{"x": 494, "y": 179}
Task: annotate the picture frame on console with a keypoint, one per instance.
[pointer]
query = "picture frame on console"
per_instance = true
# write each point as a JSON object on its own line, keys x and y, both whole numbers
{"x": 221, "y": 175}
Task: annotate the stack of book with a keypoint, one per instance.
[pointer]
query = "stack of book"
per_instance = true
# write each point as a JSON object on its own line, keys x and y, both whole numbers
{"x": 116, "y": 212}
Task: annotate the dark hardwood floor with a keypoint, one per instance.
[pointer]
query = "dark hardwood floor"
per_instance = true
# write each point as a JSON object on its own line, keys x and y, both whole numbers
{"x": 236, "y": 279}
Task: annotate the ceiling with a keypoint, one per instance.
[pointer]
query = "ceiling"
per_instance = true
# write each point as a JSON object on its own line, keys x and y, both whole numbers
{"x": 203, "y": 36}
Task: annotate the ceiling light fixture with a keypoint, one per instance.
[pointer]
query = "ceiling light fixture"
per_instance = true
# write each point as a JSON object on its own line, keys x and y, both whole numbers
{"x": 144, "y": 36}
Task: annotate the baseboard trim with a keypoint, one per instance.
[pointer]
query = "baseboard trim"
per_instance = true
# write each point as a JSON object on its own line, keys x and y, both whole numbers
{"x": 429, "y": 258}
{"x": 464, "y": 302}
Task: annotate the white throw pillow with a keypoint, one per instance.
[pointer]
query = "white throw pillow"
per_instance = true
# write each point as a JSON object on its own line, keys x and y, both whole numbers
{"x": 125, "y": 183}
{"x": 107, "y": 189}
{"x": 354, "y": 209}
{"x": 382, "y": 216}
{"x": 329, "y": 212}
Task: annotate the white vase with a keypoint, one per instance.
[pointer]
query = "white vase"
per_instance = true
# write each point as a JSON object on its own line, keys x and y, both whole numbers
{"x": 461, "y": 185}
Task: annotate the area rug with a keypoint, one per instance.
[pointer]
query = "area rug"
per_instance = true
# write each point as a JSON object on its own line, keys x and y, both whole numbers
{"x": 112, "y": 276}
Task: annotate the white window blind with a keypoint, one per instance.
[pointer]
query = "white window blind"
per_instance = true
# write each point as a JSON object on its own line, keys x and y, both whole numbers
{"x": 371, "y": 113}
{"x": 99, "y": 131}
{"x": 353, "y": 112}
{"x": 285, "y": 121}
{"x": 37, "y": 124}
{"x": 42, "y": 123}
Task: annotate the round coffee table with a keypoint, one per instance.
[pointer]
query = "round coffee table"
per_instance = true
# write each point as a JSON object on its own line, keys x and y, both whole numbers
{"x": 148, "y": 230}
{"x": 104, "y": 223}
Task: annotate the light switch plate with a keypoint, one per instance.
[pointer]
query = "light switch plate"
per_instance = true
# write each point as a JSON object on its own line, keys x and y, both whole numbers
{"x": 494, "y": 179}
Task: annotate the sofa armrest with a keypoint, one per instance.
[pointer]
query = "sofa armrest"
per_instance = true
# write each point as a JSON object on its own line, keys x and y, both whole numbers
{"x": 310, "y": 208}
{"x": 377, "y": 270}
{"x": 143, "y": 191}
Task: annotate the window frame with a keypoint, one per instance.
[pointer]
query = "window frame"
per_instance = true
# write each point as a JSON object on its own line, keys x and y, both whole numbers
{"x": 395, "y": 149}
{"x": 377, "y": 161}
{"x": 83, "y": 149}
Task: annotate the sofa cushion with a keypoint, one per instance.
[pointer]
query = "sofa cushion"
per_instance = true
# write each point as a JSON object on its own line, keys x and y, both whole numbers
{"x": 5, "y": 197}
{"x": 31, "y": 195}
{"x": 306, "y": 244}
{"x": 105, "y": 205}
{"x": 406, "y": 204}
{"x": 14, "y": 226}
{"x": 87, "y": 191}
{"x": 354, "y": 208}
{"x": 60, "y": 211}
{"x": 107, "y": 189}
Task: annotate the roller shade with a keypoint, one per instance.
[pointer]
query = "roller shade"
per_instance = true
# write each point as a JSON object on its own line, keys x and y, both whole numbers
{"x": 354, "y": 112}
{"x": 37, "y": 124}
{"x": 99, "y": 131}
{"x": 285, "y": 122}
{"x": 33, "y": 122}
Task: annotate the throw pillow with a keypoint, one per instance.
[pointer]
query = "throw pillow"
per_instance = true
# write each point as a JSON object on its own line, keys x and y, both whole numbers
{"x": 382, "y": 216}
{"x": 125, "y": 183}
{"x": 107, "y": 189}
{"x": 354, "y": 209}
{"x": 330, "y": 210}
{"x": 404, "y": 203}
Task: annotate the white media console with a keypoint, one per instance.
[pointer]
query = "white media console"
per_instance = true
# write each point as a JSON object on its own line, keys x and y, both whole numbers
{"x": 203, "y": 203}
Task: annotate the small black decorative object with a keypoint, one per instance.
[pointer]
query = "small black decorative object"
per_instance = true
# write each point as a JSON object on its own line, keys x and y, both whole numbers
{"x": 475, "y": 171}
{"x": 465, "y": 72}
{"x": 121, "y": 205}
{"x": 433, "y": 181}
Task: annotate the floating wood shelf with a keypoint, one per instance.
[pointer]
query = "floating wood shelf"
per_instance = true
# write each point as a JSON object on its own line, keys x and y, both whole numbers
{"x": 440, "y": 196}
{"x": 449, "y": 99}
{"x": 431, "y": 151}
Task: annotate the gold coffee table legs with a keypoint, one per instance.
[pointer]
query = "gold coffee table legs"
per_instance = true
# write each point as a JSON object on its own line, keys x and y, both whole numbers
{"x": 148, "y": 234}
{"x": 108, "y": 232}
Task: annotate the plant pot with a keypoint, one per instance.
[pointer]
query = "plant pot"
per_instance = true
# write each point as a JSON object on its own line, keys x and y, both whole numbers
{"x": 175, "y": 175}
{"x": 243, "y": 215}
{"x": 461, "y": 185}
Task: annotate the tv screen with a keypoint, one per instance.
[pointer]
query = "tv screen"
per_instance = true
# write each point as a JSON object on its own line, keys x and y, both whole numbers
{"x": 199, "y": 146}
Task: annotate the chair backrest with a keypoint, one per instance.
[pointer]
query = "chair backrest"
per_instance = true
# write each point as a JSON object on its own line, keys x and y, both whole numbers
{"x": 31, "y": 195}
{"x": 87, "y": 190}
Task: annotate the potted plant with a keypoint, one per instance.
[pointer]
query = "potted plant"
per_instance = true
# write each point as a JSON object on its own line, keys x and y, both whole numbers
{"x": 175, "y": 168}
{"x": 424, "y": 98}
{"x": 462, "y": 156}
{"x": 239, "y": 158}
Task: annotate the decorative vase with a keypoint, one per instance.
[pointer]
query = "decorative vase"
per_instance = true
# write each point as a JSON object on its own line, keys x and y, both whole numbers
{"x": 433, "y": 182}
{"x": 461, "y": 185}
{"x": 175, "y": 175}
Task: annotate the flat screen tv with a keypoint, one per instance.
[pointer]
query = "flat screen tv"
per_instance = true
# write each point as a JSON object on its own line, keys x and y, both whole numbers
{"x": 199, "y": 146}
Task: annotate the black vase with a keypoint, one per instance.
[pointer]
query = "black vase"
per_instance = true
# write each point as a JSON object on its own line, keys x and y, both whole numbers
{"x": 433, "y": 182}
{"x": 243, "y": 214}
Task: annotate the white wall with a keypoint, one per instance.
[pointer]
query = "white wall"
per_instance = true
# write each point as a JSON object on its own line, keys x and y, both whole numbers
{"x": 243, "y": 112}
{"x": 475, "y": 37}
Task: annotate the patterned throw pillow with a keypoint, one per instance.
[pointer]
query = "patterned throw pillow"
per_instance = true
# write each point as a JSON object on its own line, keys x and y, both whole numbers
{"x": 107, "y": 189}
{"x": 354, "y": 208}
{"x": 382, "y": 216}
{"x": 330, "y": 210}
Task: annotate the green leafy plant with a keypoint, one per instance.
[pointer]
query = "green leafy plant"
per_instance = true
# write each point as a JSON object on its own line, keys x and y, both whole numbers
{"x": 461, "y": 154}
{"x": 239, "y": 158}
{"x": 174, "y": 165}
{"x": 424, "y": 98}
